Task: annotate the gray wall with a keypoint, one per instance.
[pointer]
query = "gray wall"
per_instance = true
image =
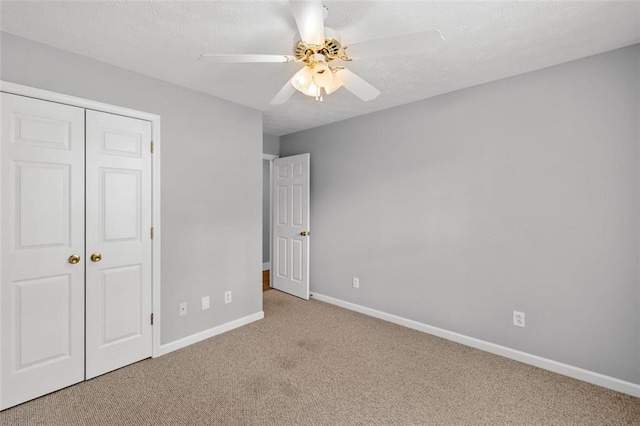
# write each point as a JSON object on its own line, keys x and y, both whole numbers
{"x": 521, "y": 194}
{"x": 270, "y": 145}
{"x": 211, "y": 152}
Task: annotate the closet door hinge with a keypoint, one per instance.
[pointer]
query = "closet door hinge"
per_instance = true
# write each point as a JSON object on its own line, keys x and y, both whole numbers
{"x": 152, "y": 147}
{"x": 151, "y": 319}
{"x": 153, "y": 232}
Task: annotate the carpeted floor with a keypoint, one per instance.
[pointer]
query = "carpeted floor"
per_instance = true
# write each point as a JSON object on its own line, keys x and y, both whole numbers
{"x": 310, "y": 363}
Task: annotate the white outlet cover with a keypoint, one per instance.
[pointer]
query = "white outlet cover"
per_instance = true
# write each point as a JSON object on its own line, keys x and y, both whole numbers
{"x": 205, "y": 302}
{"x": 227, "y": 297}
{"x": 518, "y": 319}
{"x": 356, "y": 282}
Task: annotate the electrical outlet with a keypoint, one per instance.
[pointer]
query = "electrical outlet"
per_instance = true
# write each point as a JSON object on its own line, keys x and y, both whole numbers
{"x": 227, "y": 297}
{"x": 518, "y": 319}
{"x": 205, "y": 302}
{"x": 356, "y": 282}
{"x": 183, "y": 308}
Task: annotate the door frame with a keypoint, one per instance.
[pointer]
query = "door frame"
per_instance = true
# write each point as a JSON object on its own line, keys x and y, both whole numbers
{"x": 45, "y": 95}
{"x": 270, "y": 158}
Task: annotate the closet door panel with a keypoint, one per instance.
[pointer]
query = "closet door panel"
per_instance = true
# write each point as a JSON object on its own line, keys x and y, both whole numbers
{"x": 118, "y": 230}
{"x": 42, "y": 216}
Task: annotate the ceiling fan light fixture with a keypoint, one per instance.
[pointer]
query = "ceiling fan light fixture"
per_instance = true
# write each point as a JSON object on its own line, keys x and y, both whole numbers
{"x": 305, "y": 82}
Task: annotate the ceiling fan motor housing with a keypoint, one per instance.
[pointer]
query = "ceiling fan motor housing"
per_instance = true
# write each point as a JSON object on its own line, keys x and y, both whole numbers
{"x": 332, "y": 48}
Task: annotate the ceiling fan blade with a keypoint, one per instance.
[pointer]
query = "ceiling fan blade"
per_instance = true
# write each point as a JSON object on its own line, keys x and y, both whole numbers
{"x": 284, "y": 94}
{"x": 309, "y": 16}
{"x": 357, "y": 85}
{"x": 400, "y": 45}
{"x": 223, "y": 58}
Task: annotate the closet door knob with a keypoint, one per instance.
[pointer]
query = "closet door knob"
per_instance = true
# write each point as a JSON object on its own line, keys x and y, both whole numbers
{"x": 73, "y": 259}
{"x": 96, "y": 257}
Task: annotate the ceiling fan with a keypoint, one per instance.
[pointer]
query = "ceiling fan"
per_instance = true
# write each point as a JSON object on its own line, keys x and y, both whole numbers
{"x": 317, "y": 46}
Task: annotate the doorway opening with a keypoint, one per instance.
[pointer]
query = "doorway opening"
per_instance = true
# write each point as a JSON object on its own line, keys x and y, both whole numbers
{"x": 267, "y": 171}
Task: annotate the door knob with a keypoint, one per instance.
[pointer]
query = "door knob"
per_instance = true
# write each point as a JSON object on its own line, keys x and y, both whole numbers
{"x": 96, "y": 257}
{"x": 73, "y": 259}
{"x": 304, "y": 233}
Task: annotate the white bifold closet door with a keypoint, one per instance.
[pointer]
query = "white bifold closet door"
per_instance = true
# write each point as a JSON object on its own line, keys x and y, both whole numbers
{"x": 42, "y": 227}
{"x": 49, "y": 242}
{"x": 118, "y": 243}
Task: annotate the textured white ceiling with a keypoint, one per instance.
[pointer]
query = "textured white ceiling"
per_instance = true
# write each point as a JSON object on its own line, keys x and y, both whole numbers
{"x": 485, "y": 41}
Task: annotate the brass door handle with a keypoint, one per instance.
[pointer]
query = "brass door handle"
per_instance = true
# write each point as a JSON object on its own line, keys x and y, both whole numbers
{"x": 96, "y": 257}
{"x": 73, "y": 259}
{"x": 305, "y": 233}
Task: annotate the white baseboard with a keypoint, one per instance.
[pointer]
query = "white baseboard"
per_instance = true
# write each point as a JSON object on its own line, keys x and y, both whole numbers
{"x": 195, "y": 338}
{"x": 266, "y": 266}
{"x": 527, "y": 358}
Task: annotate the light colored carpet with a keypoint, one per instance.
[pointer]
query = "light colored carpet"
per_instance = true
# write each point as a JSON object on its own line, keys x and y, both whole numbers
{"x": 310, "y": 363}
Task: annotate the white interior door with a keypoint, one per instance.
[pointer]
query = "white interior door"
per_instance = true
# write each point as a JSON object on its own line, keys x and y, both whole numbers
{"x": 290, "y": 254}
{"x": 118, "y": 242}
{"x": 42, "y": 208}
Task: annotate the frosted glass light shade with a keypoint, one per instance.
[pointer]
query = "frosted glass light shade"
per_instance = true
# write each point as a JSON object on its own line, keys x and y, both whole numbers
{"x": 302, "y": 79}
{"x": 322, "y": 75}
{"x": 335, "y": 84}
{"x": 312, "y": 90}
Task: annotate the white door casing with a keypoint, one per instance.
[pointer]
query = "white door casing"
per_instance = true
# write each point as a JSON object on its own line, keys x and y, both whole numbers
{"x": 42, "y": 208}
{"x": 118, "y": 224}
{"x": 291, "y": 227}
